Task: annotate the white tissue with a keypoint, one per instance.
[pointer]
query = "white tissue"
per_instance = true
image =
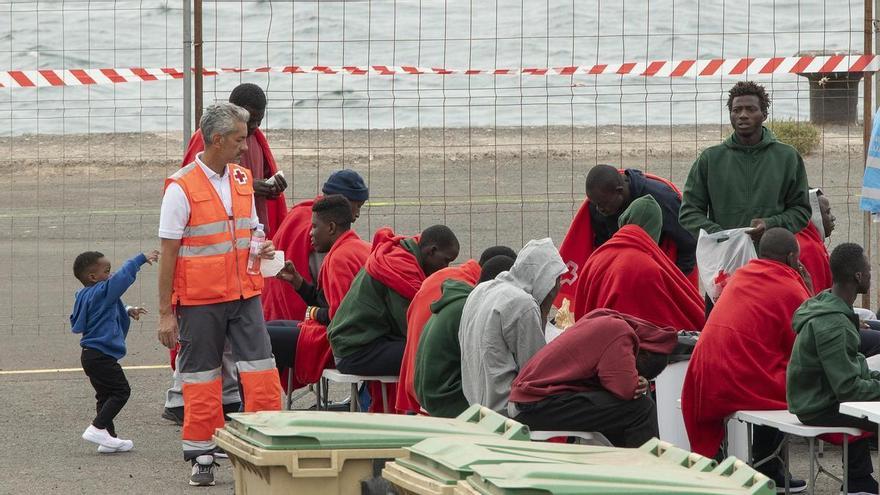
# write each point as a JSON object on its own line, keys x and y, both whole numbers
{"x": 270, "y": 268}
{"x": 271, "y": 180}
{"x": 551, "y": 331}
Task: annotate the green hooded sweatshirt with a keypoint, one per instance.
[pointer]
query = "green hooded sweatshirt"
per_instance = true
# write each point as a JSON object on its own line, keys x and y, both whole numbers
{"x": 730, "y": 185}
{"x": 646, "y": 213}
{"x": 369, "y": 311}
{"x": 437, "y": 380}
{"x": 825, "y": 367}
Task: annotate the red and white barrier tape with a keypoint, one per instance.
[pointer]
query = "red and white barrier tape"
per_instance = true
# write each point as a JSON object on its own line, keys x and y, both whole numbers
{"x": 744, "y": 67}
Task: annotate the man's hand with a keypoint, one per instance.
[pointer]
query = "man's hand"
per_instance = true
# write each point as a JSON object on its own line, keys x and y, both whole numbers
{"x": 168, "y": 332}
{"x": 261, "y": 188}
{"x": 641, "y": 388}
{"x": 280, "y": 183}
{"x": 267, "y": 250}
{"x": 290, "y": 275}
{"x": 758, "y": 227}
{"x": 152, "y": 257}
{"x": 135, "y": 312}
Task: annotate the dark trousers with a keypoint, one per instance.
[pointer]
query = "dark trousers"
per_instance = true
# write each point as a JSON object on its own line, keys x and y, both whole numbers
{"x": 765, "y": 441}
{"x": 625, "y": 423}
{"x": 709, "y": 305}
{"x": 111, "y": 387}
{"x": 859, "y": 452}
{"x": 381, "y": 357}
{"x": 283, "y": 335}
{"x": 869, "y": 342}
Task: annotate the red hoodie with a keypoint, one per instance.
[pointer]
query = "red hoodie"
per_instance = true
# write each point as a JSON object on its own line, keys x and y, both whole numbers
{"x": 597, "y": 352}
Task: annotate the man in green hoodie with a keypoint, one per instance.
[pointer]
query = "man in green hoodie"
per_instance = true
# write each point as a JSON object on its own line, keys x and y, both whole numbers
{"x": 437, "y": 377}
{"x": 751, "y": 180}
{"x": 826, "y": 367}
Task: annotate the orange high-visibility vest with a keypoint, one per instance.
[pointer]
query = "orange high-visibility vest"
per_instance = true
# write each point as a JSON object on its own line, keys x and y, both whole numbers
{"x": 212, "y": 259}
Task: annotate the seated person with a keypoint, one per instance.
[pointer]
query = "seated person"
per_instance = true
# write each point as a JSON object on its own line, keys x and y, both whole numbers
{"x": 826, "y": 367}
{"x": 594, "y": 377}
{"x": 420, "y": 310}
{"x": 437, "y": 368}
{"x": 814, "y": 254}
{"x": 502, "y": 324}
{"x": 741, "y": 355}
{"x": 303, "y": 347}
{"x": 609, "y": 193}
{"x": 280, "y": 300}
{"x": 631, "y": 275}
{"x": 368, "y": 331}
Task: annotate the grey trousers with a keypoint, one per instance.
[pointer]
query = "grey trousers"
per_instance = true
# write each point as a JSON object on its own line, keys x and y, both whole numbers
{"x": 205, "y": 333}
{"x": 174, "y": 395}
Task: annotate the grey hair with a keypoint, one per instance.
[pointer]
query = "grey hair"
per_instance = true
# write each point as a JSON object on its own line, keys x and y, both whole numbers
{"x": 221, "y": 118}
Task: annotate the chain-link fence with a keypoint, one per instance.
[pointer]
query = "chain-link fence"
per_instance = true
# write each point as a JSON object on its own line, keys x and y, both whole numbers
{"x": 499, "y": 155}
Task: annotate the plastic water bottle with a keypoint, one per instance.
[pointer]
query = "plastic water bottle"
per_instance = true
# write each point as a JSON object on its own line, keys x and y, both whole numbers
{"x": 258, "y": 237}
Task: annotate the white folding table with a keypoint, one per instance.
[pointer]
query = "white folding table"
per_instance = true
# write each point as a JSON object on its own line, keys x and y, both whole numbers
{"x": 867, "y": 410}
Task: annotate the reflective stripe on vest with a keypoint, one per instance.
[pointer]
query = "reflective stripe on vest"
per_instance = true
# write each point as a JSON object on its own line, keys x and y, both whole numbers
{"x": 212, "y": 249}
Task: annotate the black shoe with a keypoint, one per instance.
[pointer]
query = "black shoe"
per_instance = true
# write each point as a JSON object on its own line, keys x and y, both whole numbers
{"x": 861, "y": 486}
{"x": 174, "y": 414}
{"x": 202, "y": 471}
{"x": 341, "y": 406}
{"x": 794, "y": 485}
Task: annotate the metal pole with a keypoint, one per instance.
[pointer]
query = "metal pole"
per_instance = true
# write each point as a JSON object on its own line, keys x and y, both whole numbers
{"x": 197, "y": 42}
{"x": 876, "y": 80}
{"x": 187, "y": 72}
{"x": 868, "y": 111}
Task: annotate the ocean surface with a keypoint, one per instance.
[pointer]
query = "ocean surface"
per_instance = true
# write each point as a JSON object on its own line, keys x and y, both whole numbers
{"x": 434, "y": 33}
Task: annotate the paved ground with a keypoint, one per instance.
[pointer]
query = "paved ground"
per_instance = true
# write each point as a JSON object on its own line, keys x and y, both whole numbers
{"x": 63, "y": 195}
{"x": 43, "y": 453}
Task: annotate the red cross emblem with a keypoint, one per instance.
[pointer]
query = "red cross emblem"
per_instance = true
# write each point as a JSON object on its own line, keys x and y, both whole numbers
{"x": 240, "y": 177}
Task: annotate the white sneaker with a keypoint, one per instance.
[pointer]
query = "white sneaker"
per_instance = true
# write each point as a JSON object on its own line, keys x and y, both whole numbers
{"x": 125, "y": 447}
{"x": 102, "y": 437}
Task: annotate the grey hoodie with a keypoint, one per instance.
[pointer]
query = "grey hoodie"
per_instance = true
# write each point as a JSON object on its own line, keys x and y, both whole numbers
{"x": 501, "y": 327}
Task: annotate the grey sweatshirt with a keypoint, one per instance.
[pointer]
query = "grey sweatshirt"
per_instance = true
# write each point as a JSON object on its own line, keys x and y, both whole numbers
{"x": 501, "y": 327}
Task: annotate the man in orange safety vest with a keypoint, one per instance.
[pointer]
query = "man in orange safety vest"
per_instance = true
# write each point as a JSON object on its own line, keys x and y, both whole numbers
{"x": 206, "y": 295}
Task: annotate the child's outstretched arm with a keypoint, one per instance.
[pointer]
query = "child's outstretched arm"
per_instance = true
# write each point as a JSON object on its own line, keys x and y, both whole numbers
{"x": 125, "y": 276}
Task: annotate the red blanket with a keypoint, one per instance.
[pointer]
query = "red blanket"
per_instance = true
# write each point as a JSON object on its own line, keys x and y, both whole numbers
{"x": 814, "y": 257}
{"x": 742, "y": 354}
{"x": 418, "y": 314}
{"x": 631, "y": 275}
{"x": 276, "y": 207}
{"x": 280, "y": 300}
{"x": 393, "y": 266}
{"x": 577, "y": 247}
{"x": 342, "y": 263}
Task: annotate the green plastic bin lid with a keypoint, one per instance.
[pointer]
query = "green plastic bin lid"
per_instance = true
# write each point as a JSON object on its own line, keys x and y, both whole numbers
{"x": 577, "y": 479}
{"x": 449, "y": 460}
{"x": 318, "y": 430}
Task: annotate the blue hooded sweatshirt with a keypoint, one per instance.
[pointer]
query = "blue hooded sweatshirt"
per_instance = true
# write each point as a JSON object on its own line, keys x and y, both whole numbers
{"x": 98, "y": 312}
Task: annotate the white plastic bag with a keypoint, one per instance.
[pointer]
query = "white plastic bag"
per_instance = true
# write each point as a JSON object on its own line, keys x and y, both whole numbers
{"x": 719, "y": 255}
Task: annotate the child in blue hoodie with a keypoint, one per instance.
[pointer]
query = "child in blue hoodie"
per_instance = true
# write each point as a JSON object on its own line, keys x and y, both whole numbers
{"x": 102, "y": 319}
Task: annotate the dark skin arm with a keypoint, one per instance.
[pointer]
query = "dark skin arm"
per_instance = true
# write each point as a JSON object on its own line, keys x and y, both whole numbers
{"x": 271, "y": 191}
